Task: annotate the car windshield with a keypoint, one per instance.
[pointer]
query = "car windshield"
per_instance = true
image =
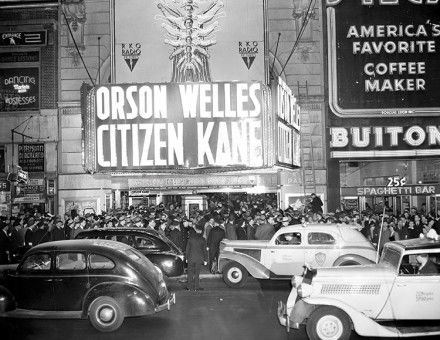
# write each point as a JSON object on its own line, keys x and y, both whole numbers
{"x": 390, "y": 256}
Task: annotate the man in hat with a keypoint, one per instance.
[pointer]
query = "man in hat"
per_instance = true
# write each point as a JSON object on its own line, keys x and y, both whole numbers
{"x": 230, "y": 228}
{"x": 175, "y": 234}
{"x": 5, "y": 243}
{"x": 265, "y": 229}
{"x": 215, "y": 236}
{"x": 196, "y": 256}
{"x": 58, "y": 232}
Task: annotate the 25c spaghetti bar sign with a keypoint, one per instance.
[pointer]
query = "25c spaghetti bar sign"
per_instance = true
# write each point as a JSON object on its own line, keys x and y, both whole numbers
{"x": 384, "y": 57}
{"x": 177, "y": 125}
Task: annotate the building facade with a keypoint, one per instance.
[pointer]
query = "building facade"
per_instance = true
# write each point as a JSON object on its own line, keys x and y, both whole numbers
{"x": 92, "y": 49}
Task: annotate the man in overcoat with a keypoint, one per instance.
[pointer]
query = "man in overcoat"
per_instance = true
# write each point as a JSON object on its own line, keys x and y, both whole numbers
{"x": 196, "y": 256}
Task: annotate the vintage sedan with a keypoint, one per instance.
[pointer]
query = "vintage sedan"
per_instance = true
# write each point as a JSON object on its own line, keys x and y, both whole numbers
{"x": 292, "y": 247}
{"x": 156, "y": 247}
{"x": 398, "y": 297}
{"x": 104, "y": 281}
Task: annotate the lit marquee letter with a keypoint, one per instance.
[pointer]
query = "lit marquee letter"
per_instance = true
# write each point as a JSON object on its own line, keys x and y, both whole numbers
{"x": 378, "y": 136}
{"x": 433, "y": 135}
{"x": 409, "y": 136}
{"x": 394, "y": 131}
{"x": 103, "y": 103}
{"x": 100, "y": 145}
{"x": 357, "y": 140}
{"x": 339, "y": 137}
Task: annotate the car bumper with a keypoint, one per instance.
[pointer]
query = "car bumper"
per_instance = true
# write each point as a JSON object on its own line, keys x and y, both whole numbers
{"x": 167, "y": 305}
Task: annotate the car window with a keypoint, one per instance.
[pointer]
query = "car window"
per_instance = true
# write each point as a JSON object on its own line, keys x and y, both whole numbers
{"x": 37, "y": 262}
{"x": 100, "y": 262}
{"x": 145, "y": 243}
{"x": 70, "y": 261}
{"x": 127, "y": 239}
{"x": 424, "y": 264}
{"x": 289, "y": 239}
{"x": 320, "y": 238}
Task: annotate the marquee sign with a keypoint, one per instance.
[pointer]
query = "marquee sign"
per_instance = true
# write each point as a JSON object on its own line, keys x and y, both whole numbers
{"x": 384, "y": 141}
{"x": 383, "y": 57}
{"x": 148, "y": 126}
{"x": 391, "y": 191}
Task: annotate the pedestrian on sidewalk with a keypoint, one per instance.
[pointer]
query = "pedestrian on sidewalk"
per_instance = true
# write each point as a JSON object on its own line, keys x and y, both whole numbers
{"x": 196, "y": 256}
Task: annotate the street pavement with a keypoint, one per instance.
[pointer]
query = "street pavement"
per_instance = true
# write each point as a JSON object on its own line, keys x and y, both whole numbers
{"x": 216, "y": 313}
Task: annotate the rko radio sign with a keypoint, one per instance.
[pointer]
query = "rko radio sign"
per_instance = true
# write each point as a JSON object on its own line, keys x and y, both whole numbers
{"x": 175, "y": 125}
{"x": 384, "y": 57}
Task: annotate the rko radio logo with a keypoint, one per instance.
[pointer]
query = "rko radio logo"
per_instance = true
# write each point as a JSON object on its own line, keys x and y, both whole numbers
{"x": 248, "y": 51}
{"x": 131, "y": 53}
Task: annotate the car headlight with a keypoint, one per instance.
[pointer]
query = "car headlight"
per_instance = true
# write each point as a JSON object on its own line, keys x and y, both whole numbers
{"x": 296, "y": 280}
{"x": 159, "y": 271}
{"x": 304, "y": 290}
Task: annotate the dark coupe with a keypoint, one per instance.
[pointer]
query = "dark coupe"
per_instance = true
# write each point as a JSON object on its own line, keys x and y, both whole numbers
{"x": 156, "y": 247}
{"x": 104, "y": 281}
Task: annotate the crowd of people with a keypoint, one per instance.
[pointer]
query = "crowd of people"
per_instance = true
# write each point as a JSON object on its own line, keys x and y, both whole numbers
{"x": 245, "y": 218}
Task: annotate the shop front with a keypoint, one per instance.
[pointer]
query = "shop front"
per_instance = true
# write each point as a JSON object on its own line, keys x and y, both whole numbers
{"x": 383, "y": 136}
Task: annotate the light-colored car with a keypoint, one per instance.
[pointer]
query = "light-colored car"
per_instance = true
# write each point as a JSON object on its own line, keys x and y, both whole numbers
{"x": 290, "y": 249}
{"x": 396, "y": 297}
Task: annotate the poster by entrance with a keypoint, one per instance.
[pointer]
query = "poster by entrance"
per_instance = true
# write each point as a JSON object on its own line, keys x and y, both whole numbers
{"x": 175, "y": 126}
{"x": 189, "y": 40}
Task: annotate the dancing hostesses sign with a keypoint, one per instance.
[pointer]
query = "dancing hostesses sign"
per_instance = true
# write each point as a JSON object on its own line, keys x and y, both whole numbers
{"x": 174, "y": 125}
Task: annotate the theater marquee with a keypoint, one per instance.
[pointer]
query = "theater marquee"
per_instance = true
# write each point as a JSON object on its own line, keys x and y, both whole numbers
{"x": 384, "y": 57}
{"x": 148, "y": 126}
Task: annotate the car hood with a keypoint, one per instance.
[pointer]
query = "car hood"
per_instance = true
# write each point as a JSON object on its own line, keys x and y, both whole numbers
{"x": 354, "y": 273}
{"x": 246, "y": 243}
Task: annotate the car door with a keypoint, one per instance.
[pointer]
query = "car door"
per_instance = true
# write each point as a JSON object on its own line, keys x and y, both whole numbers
{"x": 321, "y": 250}
{"x": 284, "y": 254}
{"x": 70, "y": 279}
{"x": 416, "y": 296}
{"x": 32, "y": 283}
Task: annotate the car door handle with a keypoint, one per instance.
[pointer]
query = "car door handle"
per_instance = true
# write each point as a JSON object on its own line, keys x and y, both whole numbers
{"x": 48, "y": 280}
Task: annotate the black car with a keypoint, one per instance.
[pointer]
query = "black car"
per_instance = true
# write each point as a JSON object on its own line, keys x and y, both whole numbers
{"x": 159, "y": 249}
{"x": 104, "y": 281}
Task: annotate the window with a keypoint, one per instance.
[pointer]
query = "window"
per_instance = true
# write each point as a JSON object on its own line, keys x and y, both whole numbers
{"x": 70, "y": 261}
{"x": 289, "y": 239}
{"x": 144, "y": 242}
{"x": 320, "y": 238}
{"x": 37, "y": 262}
{"x": 425, "y": 264}
{"x": 100, "y": 262}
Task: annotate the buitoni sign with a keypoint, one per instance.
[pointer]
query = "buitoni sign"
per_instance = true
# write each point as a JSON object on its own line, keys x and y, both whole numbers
{"x": 175, "y": 125}
{"x": 384, "y": 57}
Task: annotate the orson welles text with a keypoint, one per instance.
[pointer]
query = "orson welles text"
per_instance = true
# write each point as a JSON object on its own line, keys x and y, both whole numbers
{"x": 178, "y": 125}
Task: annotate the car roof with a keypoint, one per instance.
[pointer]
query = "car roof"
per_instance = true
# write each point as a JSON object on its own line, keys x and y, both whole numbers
{"x": 320, "y": 226}
{"x": 124, "y": 230}
{"x": 82, "y": 244}
{"x": 417, "y": 244}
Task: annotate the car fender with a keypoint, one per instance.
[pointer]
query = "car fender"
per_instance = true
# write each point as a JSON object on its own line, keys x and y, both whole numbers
{"x": 362, "y": 324}
{"x": 351, "y": 258}
{"x": 7, "y": 300}
{"x": 132, "y": 300}
{"x": 254, "y": 267}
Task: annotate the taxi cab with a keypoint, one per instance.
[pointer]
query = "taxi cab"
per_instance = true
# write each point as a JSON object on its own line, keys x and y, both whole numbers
{"x": 397, "y": 297}
{"x": 104, "y": 281}
{"x": 318, "y": 245}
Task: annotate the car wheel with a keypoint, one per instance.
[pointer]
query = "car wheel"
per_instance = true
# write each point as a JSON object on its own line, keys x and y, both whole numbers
{"x": 234, "y": 275}
{"x": 105, "y": 314}
{"x": 328, "y": 323}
